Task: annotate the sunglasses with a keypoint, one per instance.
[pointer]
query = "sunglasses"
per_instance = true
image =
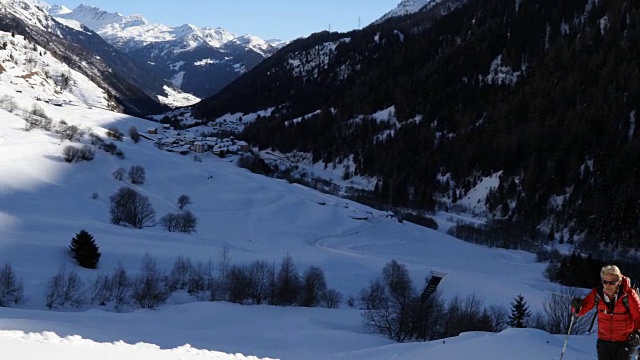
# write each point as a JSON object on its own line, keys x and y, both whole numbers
{"x": 613, "y": 282}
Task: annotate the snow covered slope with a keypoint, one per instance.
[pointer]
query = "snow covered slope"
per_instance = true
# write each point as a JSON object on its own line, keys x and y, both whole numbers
{"x": 129, "y": 86}
{"x": 32, "y": 72}
{"x": 45, "y": 201}
{"x": 407, "y": 7}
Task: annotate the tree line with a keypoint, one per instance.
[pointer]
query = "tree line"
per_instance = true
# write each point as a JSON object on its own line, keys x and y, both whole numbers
{"x": 392, "y": 307}
{"x": 389, "y": 306}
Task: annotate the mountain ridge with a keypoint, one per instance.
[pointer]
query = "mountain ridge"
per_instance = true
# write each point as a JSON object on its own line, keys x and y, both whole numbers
{"x": 461, "y": 77}
{"x": 85, "y": 52}
{"x": 223, "y": 56}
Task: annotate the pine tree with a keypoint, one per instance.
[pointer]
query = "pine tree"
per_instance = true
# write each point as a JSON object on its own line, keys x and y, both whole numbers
{"x": 287, "y": 283}
{"x": 84, "y": 250}
{"x": 519, "y": 312}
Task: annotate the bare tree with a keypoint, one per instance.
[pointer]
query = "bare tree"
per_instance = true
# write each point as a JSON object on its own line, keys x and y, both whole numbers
{"x": 223, "y": 268}
{"x": 130, "y": 207}
{"x": 118, "y": 174}
{"x": 377, "y": 313}
{"x": 262, "y": 277}
{"x": 8, "y": 103}
{"x": 64, "y": 288}
{"x": 87, "y": 153}
{"x": 149, "y": 290}
{"x": 184, "y": 222}
{"x": 178, "y": 278}
{"x": 427, "y": 315}
{"x": 137, "y": 174}
{"x": 114, "y": 133}
{"x": 71, "y": 154}
{"x": 38, "y": 111}
{"x": 46, "y": 124}
{"x": 556, "y": 314}
{"x": 199, "y": 279}
{"x": 31, "y": 122}
{"x": 388, "y": 302}
{"x": 101, "y": 290}
{"x": 239, "y": 284}
{"x": 69, "y": 132}
{"x": 187, "y": 222}
{"x": 330, "y": 298}
{"x": 183, "y": 201}
{"x": 401, "y": 292}
{"x": 11, "y": 287}
{"x": 466, "y": 315}
{"x": 95, "y": 139}
{"x": 169, "y": 222}
{"x": 313, "y": 285}
{"x": 134, "y": 135}
{"x": 121, "y": 286}
{"x": 217, "y": 289}
{"x": 499, "y": 316}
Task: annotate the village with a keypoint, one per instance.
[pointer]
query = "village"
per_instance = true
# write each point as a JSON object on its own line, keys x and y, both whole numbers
{"x": 185, "y": 142}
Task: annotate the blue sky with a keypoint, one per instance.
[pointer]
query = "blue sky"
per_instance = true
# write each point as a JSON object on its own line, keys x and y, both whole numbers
{"x": 274, "y": 19}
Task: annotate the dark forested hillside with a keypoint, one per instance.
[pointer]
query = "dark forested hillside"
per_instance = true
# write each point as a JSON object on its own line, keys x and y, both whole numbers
{"x": 545, "y": 92}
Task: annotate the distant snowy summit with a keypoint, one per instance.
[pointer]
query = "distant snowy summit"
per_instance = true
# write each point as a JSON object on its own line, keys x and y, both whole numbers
{"x": 132, "y": 32}
{"x": 94, "y": 18}
{"x": 406, "y": 7}
{"x": 198, "y": 61}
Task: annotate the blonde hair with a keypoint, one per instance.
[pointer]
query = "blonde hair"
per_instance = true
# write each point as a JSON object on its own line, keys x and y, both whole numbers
{"x": 610, "y": 270}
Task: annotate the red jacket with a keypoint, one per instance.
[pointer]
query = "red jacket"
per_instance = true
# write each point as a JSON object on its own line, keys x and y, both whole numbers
{"x": 616, "y": 325}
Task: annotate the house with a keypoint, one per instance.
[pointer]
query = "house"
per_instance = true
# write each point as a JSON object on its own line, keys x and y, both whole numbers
{"x": 233, "y": 149}
{"x": 152, "y": 130}
{"x": 243, "y": 146}
{"x": 169, "y": 141}
{"x": 220, "y": 150}
{"x": 182, "y": 150}
{"x": 199, "y": 147}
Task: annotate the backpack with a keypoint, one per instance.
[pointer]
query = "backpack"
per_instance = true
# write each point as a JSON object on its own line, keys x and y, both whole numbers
{"x": 625, "y": 302}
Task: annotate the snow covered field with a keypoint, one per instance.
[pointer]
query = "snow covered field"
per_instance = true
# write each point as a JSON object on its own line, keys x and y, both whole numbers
{"x": 45, "y": 201}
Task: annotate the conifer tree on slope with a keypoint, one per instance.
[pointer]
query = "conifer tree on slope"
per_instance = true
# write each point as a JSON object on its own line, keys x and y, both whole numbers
{"x": 84, "y": 250}
{"x": 519, "y": 312}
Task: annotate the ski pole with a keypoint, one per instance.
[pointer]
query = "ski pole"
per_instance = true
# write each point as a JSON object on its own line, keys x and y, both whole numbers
{"x": 573, "y": 317}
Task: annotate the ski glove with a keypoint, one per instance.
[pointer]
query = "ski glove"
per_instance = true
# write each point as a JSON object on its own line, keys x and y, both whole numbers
{"x": 634, "y": 339}
{"x": 576, "y": 304}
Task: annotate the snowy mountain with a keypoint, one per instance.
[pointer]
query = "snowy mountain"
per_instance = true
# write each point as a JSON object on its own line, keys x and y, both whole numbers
{"x": 129, "y": 85}
{"x": 132, "y": 32}
{"x": 33, "y": 72}
{"x": 94, "y": 19}
{"x": 406, "y": 7}
{"x": 197, "y": 60}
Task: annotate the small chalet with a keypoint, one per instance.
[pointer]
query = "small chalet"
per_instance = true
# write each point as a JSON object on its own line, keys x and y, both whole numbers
{"x": 200, "y": 147}
{"x": 243, "y": 146}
